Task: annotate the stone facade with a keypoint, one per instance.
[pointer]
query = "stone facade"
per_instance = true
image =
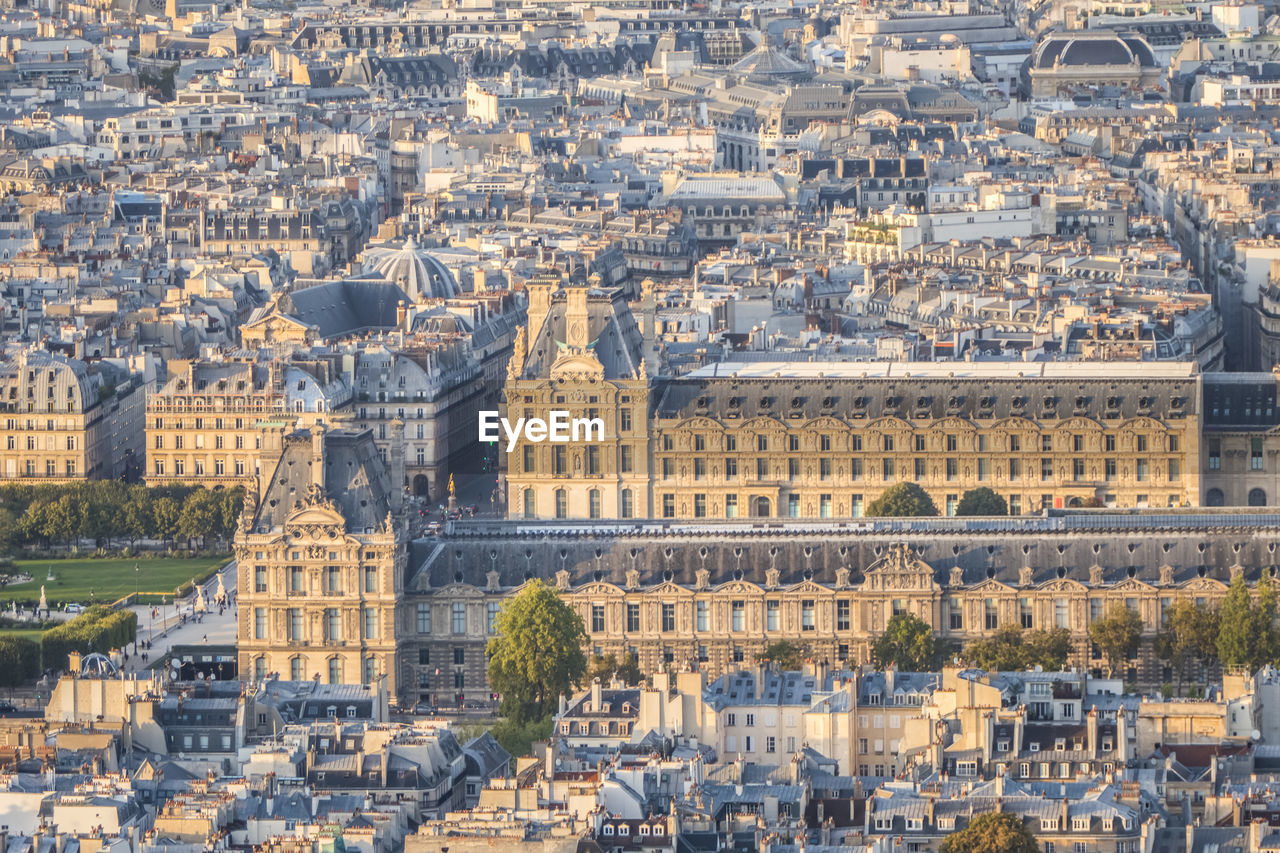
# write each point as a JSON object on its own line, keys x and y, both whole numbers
{"x": 321, "y": 555}
{"x": 64, "y": 422}
{"x": 714, "y": 595}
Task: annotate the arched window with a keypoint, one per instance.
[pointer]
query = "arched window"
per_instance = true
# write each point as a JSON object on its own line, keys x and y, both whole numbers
{"x": 259, "y": 668}
{"x": 562, "y": 504}
{"x": 297, "y": 668}
{"x": 594, "y": 502}
{"x": 530, "y": 504}
{"x": 1257, "y": 497}
{"x": 1214, "y": 497}
{"x": 335, "y": 670}
{"x": 628, "y": 507}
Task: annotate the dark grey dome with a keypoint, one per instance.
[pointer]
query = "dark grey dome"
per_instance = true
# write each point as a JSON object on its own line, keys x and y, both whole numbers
{"x": 1092, "y": 49}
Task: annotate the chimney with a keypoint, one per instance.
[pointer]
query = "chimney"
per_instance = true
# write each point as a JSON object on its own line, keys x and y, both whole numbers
{"x": 576, "y": 318}
{"x": 396, "y": 455}
{"x": 317, "y": 455}
{"x": 539, "y": 304}
{"x": 597, "y": 699}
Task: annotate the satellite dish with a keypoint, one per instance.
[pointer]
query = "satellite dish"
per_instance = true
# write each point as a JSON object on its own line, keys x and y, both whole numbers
{"x": 175, "y": 673}
{"x": 1256, "y": 735}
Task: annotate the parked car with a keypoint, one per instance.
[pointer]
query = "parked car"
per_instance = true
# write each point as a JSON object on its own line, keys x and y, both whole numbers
{"x": 75, "y": 608}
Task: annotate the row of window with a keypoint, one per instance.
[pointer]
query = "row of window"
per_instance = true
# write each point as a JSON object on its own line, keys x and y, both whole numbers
{"x": 458, "y": 617}
{"x": 949, "y": 443}
{"x": 32, "y": 442}
{"x": 952, "y": 608}
{"x": 298, "y": 671}
{"x": 221, "y": 468}
{"x": 330, "y": 578}
{"x": 31, "y": 468}
{"x": 888, "y": 469}
{"x": 179, "y": 441}
{"x": 331, "y": 625}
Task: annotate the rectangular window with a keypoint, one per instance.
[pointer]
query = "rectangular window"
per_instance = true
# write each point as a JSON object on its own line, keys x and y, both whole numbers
{"x": 491, "y": 616}
{"x": 1215, "y": 454}
{"x": 370, "y": 623}
{"x": 842, "y": 615}
{"x": 260, "y": 579}
{"x": 886, "y": 469}
{"x": 668, "y": 506}
{"x": 739, "y": 616}
{"x": 459, "y": 618}
{"x": 1077, "y": 469}
{"x": 762, "y": 468}
{"x": 1255, "y": 454}
{"x": 703, "y": 610}
{"x": 633, "y": 617}
{"x": 807, "y": 622}
{"x": 597, "y": 618}
{"x": 259, "y": 623}
{"x": 730, "y": 469}
{"x": 793, "y": 506}
{"x": 668, "y": 617}
{"x": 1046, "y": 469}
{"x": 772, "y": 613}
{"x": 824, "y": 506}
{"x": 296, "y": 580}
{"x": 1060, "y": 613}
{"x": 424, "y": 618}
{"x": 1025, "y": 613}
{"x": 295, "y": 624}
{"x": 956, "y": 615}
{"x": 730, "y": 506}
{"x": 919, "y": 469}
{"x": 855, "y": 469}
{"x": 700, "y": 506}
{"x": 1140, "y": 468}
{"x": 991, "y": 615}
{"x": 625, "y": 462}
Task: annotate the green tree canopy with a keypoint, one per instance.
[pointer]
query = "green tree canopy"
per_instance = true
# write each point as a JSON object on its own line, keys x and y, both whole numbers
{"x": 902, "y": 500}
{"x": 1189, "y": 637}
{"x": 1011, "y": 649}
{"x": 982, "y": 501}
{"x": 1117, "y": 634}
{"x": 992, "y": 832}
{"x": 537, "y": 653}
{"x": 908, "y": 644}
{"x": 605, "y": 667}
{"x": 1235, "y": 634}
{"x": 784, "y": 655}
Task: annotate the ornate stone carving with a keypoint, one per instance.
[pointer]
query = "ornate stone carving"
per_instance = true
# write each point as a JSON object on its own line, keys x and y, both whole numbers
{"x": 492, "y": 581}
{"x": 1166, "y": 575}
{"x": 702, "y": 579}
{"x": 1236, "y": 571}
{"x": 1025, "y": 576}
{"x": 842, "y": 578}
{"x": 771, "y": 577}
{"x": 562, "y": 580}
{"x": 1095, "y": 575}
{"x": 957, "y": 577}
{"x": 633, "y": 578}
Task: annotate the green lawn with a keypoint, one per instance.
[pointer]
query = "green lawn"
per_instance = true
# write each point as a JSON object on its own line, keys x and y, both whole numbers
{"x": 105, "y": 580}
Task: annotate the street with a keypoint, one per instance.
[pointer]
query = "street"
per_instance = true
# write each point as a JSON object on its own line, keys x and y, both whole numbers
{"x": 167, "y": 629}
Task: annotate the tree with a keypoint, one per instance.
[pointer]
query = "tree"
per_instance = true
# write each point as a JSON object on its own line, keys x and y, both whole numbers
{"x": 1011, "y": 649}
{"x": 537, "y": 653}
{"x": 166, "y": 512}
{"x": 200, "y": 516}
{"x": 992, "y": 832}
{"x": 784, "y": 655}
{"x": 982, "y": 501}
{"x": 607, "y": 667}
{"x": 907, "y": 644}
{"x": 1236, "y": 625}
{"x": 1264, "y": 624}
{"x": 19, "y": 661}
{"x": 1189, "y": 637}
{"x": 902, "y": 500}
{"x": 1116, "y": 634}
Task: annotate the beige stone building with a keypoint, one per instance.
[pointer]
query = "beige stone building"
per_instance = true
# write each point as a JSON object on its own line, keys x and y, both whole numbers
{"x": 66, "y": 420}
{"x": 751, "y": 439}
{"x": 203, "y": 426}
{"x": 713, "y": 595}
{"x": 321, "y": 555}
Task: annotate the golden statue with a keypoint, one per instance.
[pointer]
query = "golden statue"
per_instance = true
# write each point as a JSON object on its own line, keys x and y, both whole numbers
{"x": 452, "y": 489}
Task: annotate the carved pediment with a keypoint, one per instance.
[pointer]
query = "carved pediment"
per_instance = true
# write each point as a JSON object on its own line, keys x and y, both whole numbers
{"x": 597, "y": 588}
{"x": 461, "y": 590}
{"x": 740, "y": 587}
{"x": 1063, "y": 585}
{"x": 315, "y": 517}
{"x": 1132, "y": 584}
{"x": 899, "y": 568}
{"x": 994, "y": 586}
{"x": 808, "y": 587}
{"x": 1204, "y": 585}
{"x": 669, "y": 588}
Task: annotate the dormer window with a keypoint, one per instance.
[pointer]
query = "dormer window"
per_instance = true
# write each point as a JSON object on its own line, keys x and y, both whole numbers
{"x": 624, "y": 830}
{"x": 644, "y": 829}
{"x": 608, "y": 829}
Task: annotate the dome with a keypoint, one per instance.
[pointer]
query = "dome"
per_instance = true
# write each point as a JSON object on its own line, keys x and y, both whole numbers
{"x": 766, "y": 63}
{"x": 98, "y": 666}
{"x": 1093, "y": 49}
{"x": 420, "y": 274}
